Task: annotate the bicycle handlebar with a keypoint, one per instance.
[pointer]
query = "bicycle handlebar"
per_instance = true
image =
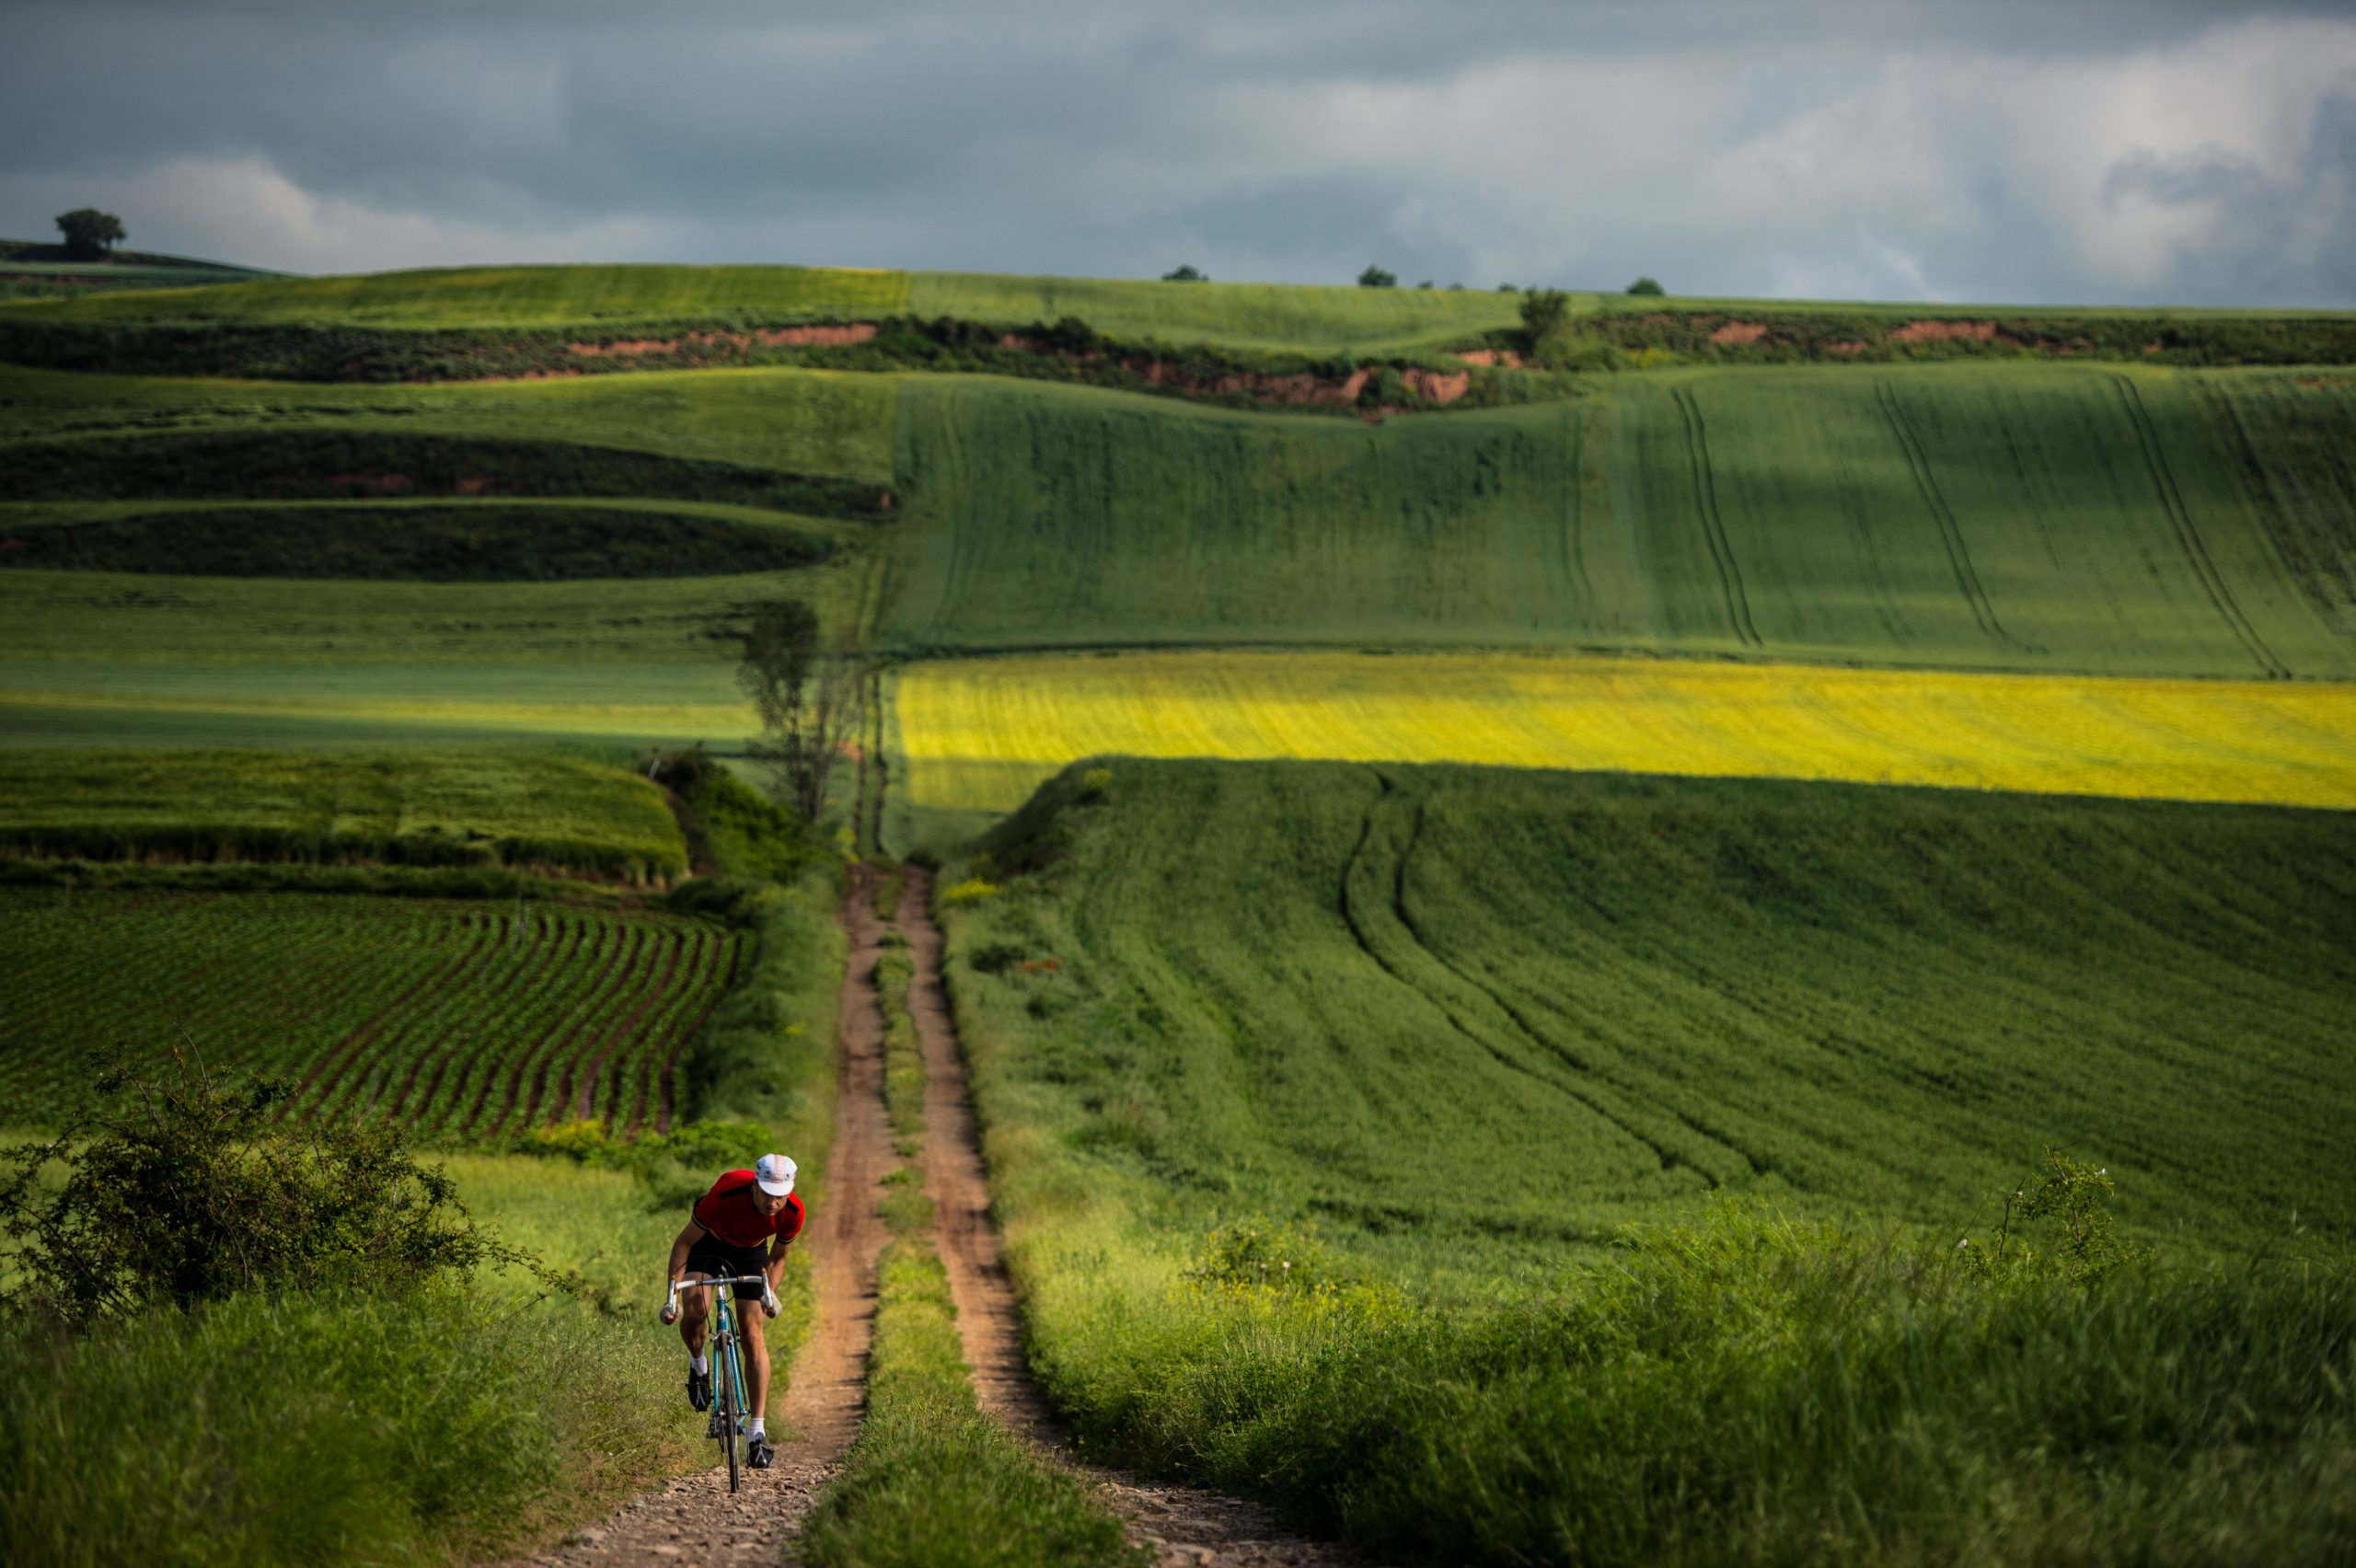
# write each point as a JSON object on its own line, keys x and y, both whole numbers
{"x": 679, "y": 1285}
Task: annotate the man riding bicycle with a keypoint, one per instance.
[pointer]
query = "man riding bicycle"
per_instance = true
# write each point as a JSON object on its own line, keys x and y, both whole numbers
{"x": 741, "y": 1227}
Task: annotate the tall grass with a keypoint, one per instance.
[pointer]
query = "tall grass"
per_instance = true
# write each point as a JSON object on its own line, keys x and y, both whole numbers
{"x": 1743, "y": 1390}
{"x": 451, "y": 1425}
{"x": 307, "y": 1430}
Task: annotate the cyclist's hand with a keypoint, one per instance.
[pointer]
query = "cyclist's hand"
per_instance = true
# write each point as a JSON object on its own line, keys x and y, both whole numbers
{"x": 670, "y": 1313}
{"x": 770, "y": 1305}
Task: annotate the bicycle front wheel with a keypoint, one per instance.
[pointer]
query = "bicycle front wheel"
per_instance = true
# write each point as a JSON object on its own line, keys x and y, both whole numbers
{"x": 731, "y": 1419}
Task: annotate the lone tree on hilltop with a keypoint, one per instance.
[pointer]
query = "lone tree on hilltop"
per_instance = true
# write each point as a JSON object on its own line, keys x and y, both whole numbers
{"x": 1188, "y": 274}
{"x": 89, "y": 234}
{"x": 810, "y": 701}
{"x": 1542, "y": 310}
{"x": 1375, "y": 277}
{"x": 1647, "y": 286}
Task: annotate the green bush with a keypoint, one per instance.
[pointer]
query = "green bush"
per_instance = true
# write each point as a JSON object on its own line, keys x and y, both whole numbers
{"x": 185, "y": 1190}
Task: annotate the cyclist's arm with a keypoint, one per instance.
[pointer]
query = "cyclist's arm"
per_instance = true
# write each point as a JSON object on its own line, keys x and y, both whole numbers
{"x": 681, "y": 1248}
{"x": 775, "y": 1268}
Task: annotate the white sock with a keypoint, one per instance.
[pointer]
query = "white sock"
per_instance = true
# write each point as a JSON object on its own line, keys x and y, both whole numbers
{"x": 697, "y": 1362}
{"x": 758, "y": 1429}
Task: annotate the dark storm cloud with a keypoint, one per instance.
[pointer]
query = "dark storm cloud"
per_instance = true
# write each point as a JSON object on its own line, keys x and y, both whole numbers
{"x": 2153, "y": 150}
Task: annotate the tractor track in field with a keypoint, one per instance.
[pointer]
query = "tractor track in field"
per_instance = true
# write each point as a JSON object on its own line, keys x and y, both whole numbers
{"x": 1181, "y": 1524}
{"x": 1714, "y": 527}
{"x": 695, "y": 1518}
{"x": 2188, "y": 535}
{"x": 1926, "y": 484}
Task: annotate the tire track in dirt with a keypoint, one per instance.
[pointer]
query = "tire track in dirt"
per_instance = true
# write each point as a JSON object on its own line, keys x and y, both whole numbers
{"x": 696, "y": 1517}
{"x": 1181, "y": 1524}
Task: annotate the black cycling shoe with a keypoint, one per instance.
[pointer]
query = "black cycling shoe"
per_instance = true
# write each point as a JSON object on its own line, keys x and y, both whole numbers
{"x": 757, "y": 1452}
{"x": 699, "y": 1388}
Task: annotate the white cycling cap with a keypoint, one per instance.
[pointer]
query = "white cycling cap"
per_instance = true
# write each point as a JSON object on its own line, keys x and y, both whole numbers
{"x": 775, "y": 1173}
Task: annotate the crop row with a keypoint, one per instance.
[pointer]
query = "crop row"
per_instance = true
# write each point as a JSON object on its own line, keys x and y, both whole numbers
{"x": 468, "y": 1022}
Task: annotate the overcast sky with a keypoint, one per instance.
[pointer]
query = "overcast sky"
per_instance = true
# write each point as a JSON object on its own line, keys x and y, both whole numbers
{"x": 2066, "y": 151}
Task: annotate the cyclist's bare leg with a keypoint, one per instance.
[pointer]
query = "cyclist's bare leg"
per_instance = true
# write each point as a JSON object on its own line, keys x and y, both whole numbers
{"x": 692, "y": 1316}
{"x": 757, "y": 1359}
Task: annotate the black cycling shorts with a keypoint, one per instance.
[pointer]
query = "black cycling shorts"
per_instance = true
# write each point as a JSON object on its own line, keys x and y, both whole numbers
{"x": 713, "y": 1256}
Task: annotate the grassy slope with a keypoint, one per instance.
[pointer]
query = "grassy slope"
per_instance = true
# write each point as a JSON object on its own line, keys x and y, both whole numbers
{"x": 1244, "y": 316}
{"x": 1313, "y": 318}
{"x": 799, "y": 422}
{"x": 99, "y": 657}
{"x": 446, "y": 809}
{"x": 510, "y": 296}
{"x": 1514, "y": 1009}
{"x": 1341, "y": 1072}
{"x": 2021, "y": 518}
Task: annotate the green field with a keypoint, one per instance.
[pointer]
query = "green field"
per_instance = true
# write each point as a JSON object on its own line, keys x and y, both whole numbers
{"x": 466, "y": 1021}
{"x": 1321, "y": 1141}
{"x": 483, "y": 542}
{"x": 1955, "y": 516}
{"x": 1306, "y": 319}
{"x": 1254, "y": 316}
{"x": 31, "y": 269}
{"x": 1566, "y": 1001}
{"x": 785, "y": 420}
{"x": 407, "y": 807}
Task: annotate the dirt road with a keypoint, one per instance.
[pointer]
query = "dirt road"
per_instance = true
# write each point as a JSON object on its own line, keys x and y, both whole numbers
{"x": 1184, "y": 1524}
{"x": 696, "y": 1517}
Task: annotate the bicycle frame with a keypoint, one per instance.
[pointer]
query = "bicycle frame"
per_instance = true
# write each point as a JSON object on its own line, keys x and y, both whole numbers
{"x": 725, "y": 1340}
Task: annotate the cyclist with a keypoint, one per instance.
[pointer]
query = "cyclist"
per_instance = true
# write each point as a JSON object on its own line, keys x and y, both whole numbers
{"x": 741, "y": 1227}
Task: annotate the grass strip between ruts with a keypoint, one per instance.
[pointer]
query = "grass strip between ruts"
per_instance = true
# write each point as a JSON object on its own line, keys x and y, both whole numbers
{"x": 931, "y": 1479}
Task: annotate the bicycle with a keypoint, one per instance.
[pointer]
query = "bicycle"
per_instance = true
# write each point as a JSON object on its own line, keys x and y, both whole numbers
{"x": 727, "y": 1415}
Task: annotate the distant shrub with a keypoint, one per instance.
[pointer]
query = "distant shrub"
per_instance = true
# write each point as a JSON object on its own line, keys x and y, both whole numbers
{"x": 1645, "y": 286}
{"x": 995, "y": 958}
{"x": 1542, "y": 310}
{"x": 1376, "y": 278}
{"x": 972, "y": 889}
{"x": 1261, "y": 1255}
{"x": 1185, "y": 274}
{"x": 1386, "y": 388}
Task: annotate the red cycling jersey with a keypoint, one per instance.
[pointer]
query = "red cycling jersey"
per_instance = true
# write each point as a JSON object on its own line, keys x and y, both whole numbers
{"x": 729, "y": 1212}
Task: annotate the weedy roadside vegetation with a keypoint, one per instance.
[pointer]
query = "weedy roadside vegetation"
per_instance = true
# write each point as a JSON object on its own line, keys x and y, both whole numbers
{"x": 1563, "y": 1097}
{"x": 305, "y": 1336}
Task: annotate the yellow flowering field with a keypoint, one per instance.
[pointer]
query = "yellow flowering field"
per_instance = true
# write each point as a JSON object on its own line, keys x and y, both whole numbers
{"x": 979, "y": 735}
